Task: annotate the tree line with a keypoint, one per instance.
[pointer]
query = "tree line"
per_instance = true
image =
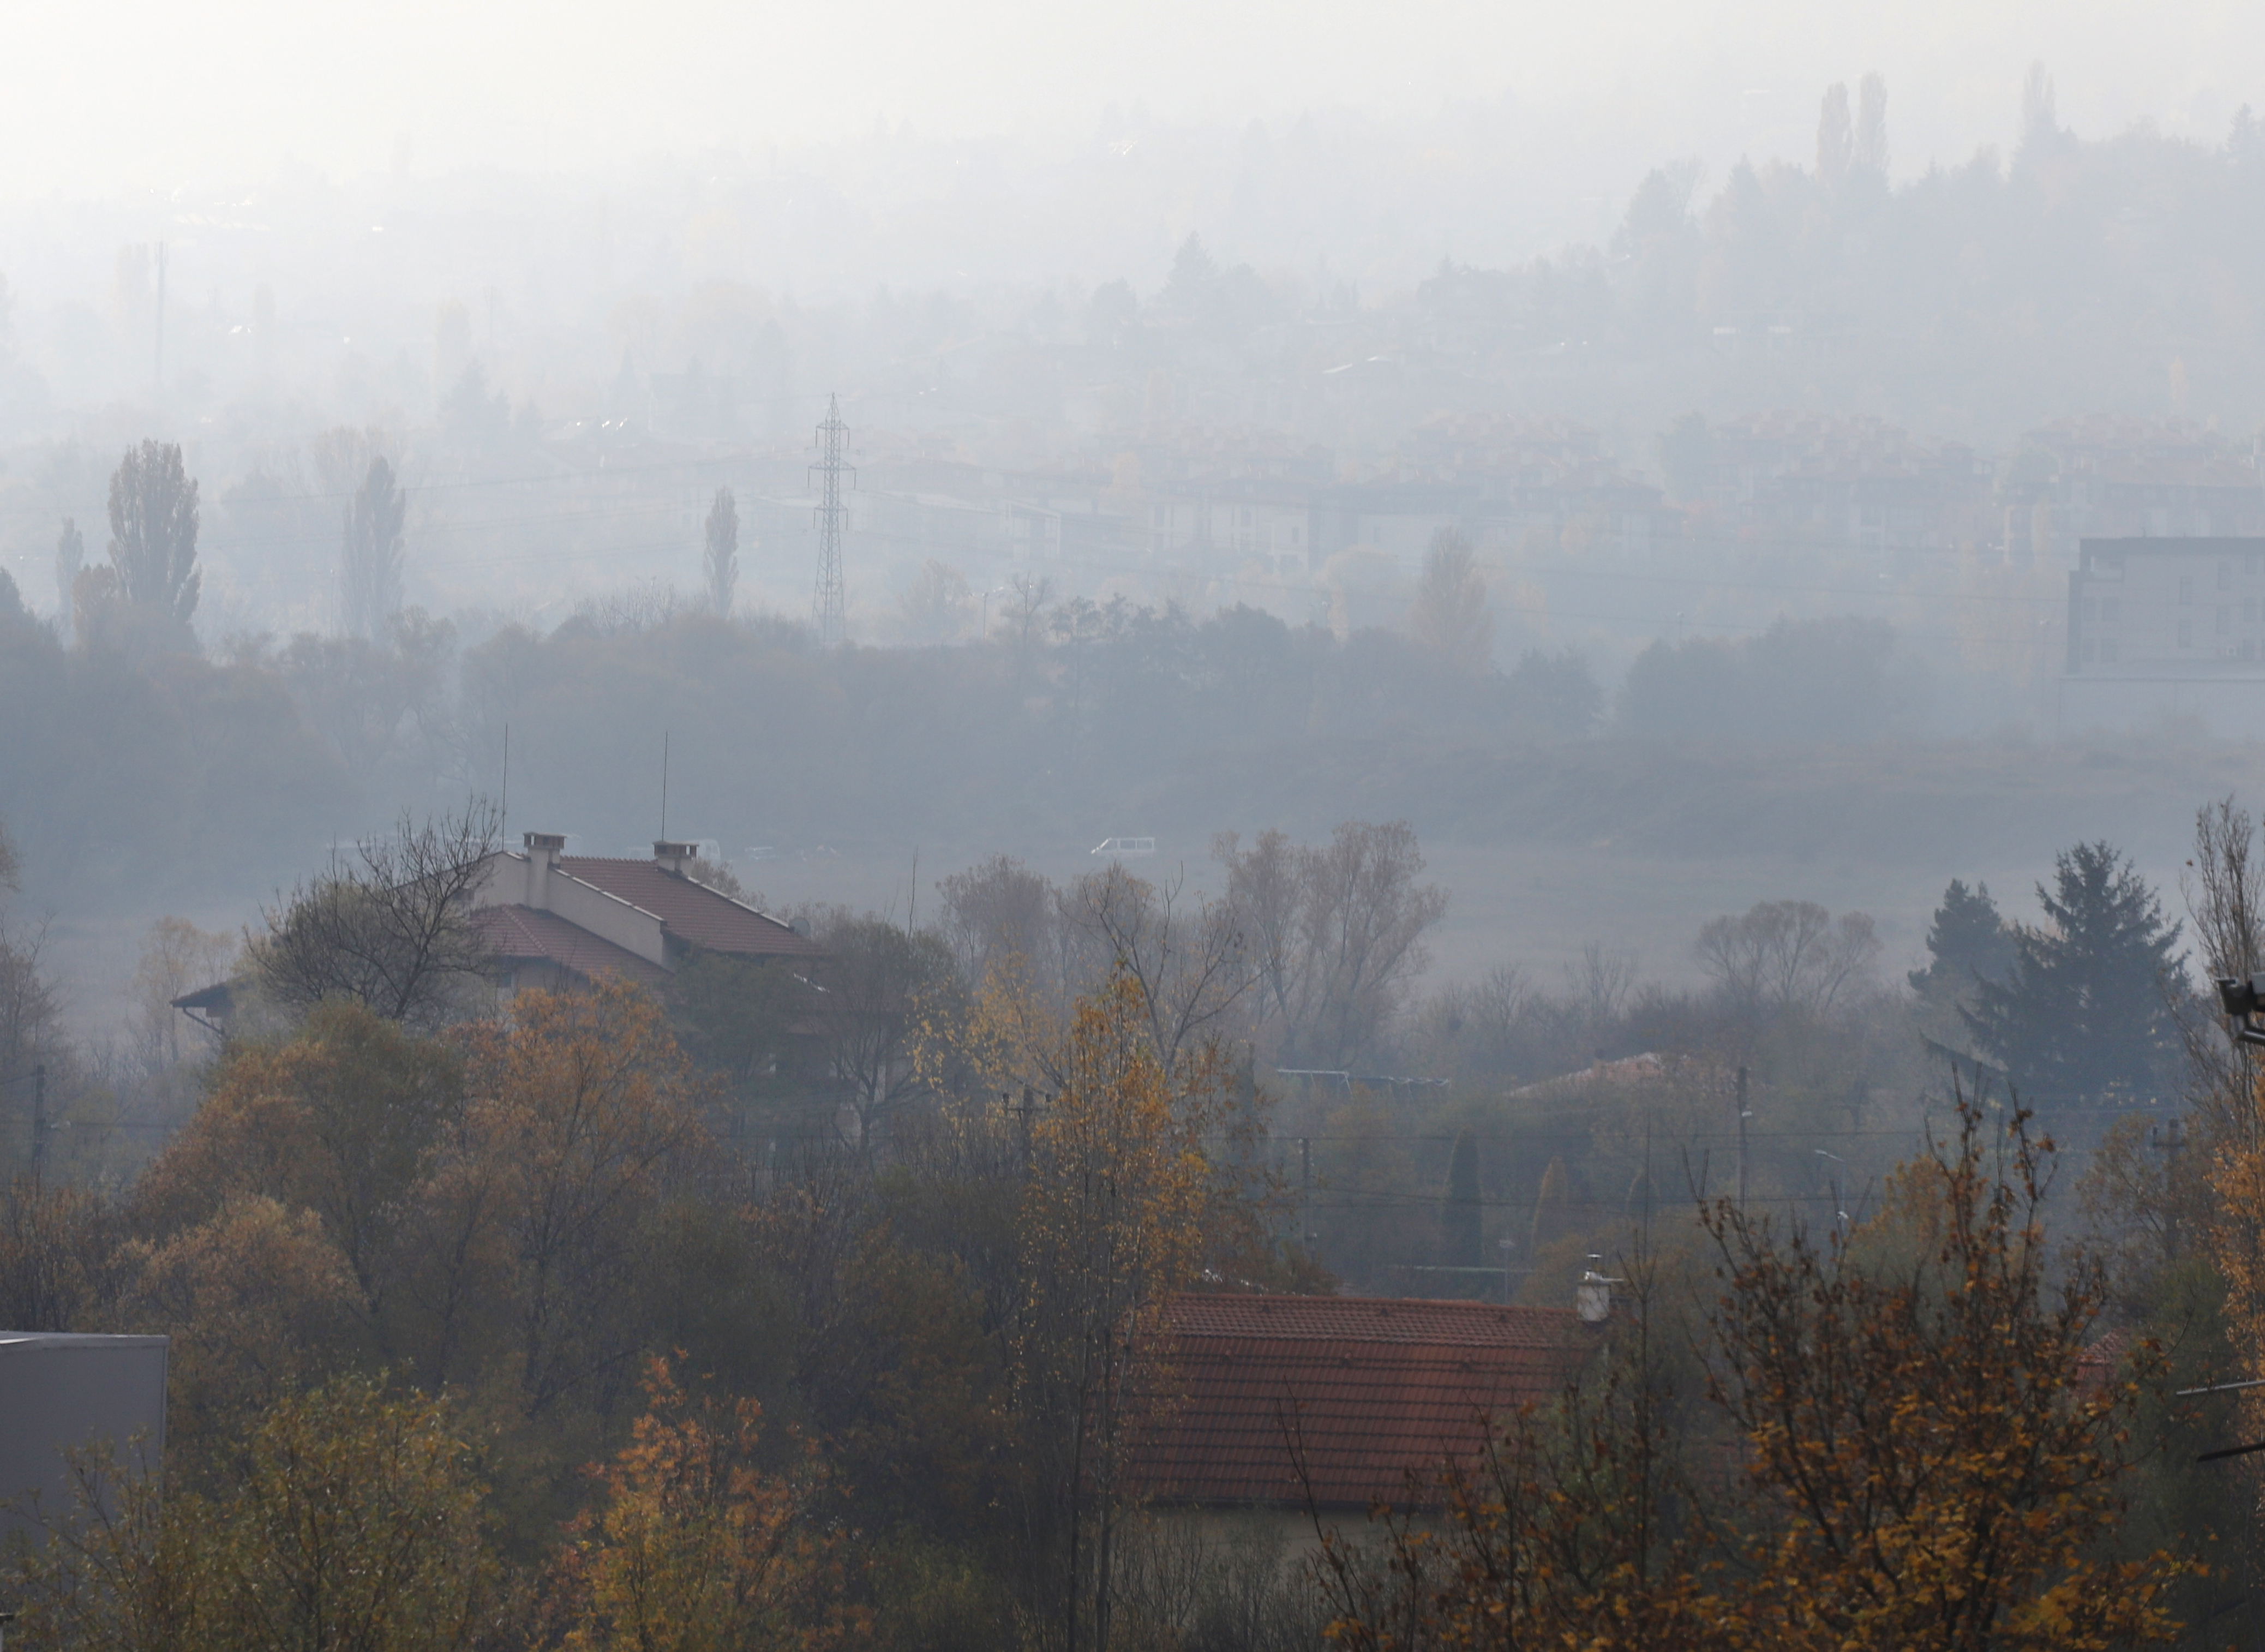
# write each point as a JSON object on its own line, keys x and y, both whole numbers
{"x": 757, "y": 1311}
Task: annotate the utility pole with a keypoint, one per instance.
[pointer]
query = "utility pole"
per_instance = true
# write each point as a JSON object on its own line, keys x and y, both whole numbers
{"x": 1743, "y": 1116}
{"x": 2173, "y": 1139}
{"x": 828, "y": 608}
{"x": 1306, "y": 1189}
{"x": 39, "y": 1123}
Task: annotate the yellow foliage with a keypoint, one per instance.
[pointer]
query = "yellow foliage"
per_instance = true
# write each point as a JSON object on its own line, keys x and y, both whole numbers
{"x": 258, "y": 1302}
{"x": 355, "y": 1526}
{"x": 698, "y": 1549}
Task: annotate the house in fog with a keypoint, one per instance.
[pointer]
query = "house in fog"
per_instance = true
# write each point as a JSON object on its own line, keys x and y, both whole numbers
{"x": 1282, "y": 1403}
{"x": 559, "y": 920}
{"x": 554, "y": 920}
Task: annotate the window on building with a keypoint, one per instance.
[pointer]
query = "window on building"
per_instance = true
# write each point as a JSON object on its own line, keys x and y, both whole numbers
{"x": 2091, "y": 610}
{"x": 2186, "y": 587}
{"x": 2110, "y": 609}
{"x": 2226, "y": 619}
{"x": 2225, "y": 576}
{"x": 2091, "y": 653}
{"x": 2186, "y": 633}
{"x": 2107, "y": 651}
{"x": 2249, "y": 610}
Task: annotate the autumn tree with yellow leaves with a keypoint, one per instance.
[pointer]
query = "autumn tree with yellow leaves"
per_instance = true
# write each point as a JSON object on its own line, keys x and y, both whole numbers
{"x": 356, "y": 1524}
{"x": 697, "y": 1545}
{"x": 1929, "y": 1460}
{"x": 1110, "y": 1224}
{"x": 1906, "y": 1449}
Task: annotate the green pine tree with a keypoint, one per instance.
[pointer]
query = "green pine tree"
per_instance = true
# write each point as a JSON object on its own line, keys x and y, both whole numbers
{"x": 1968, "y": 942}
{"x": 2084, "y": 1013}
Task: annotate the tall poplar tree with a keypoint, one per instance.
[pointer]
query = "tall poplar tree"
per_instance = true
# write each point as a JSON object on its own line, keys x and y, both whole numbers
{"x": 153, "y": 530}
{"x": 720, "y": 563}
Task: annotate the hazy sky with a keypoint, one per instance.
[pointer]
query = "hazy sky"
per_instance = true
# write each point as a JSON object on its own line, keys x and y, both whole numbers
{"x": 108, "y": 94}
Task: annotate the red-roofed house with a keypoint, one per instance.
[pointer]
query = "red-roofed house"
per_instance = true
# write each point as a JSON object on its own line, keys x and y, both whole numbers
{"x": 1371, "y": 1390}
{"x": 557, "y": 919}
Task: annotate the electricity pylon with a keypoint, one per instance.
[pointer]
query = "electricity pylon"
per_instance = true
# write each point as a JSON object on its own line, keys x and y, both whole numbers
{"x": 828, "y": 606}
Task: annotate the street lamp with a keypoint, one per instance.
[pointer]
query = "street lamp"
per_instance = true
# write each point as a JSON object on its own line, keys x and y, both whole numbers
{"x": 1833, "y": 1180}
{"x": 996, "y": 590}
{"x": 2241, "y": 997}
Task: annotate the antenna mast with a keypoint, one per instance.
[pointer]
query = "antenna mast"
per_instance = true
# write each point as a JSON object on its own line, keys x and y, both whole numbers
{"x": 828, "y": 607}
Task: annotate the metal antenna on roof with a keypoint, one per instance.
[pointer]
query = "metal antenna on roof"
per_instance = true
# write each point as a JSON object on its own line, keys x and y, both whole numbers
{"x": 664, "y": 785}
{"x": 505, "y": 826}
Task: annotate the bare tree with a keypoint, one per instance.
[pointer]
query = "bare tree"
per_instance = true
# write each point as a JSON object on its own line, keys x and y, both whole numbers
{"x": 2224, "y": 890}
{"x": 934, "y": 606}
{"x": 875, "y": 986}
{"x": 31, "y": 1010}
{"x": 1022, "y": 620}
{"x": 1871, "y": 146}
{"x": 342, "y": 456}
{"x": 1334, "y": 932}
{"x": 396, "y": 932}
{"x": 153, "y": 530}
{"x": 1787, "y": 956}
{"x": 1449, "y": 616}
{"x": 370, "y": 560}
{"x": 71, "y": 558}
{"x": 2224, "y": 885}
{"x": 998, "y": 918}
{"x": 720, "y": 563}
{"x": 177, "y": 957}
{"x": 1187, "y": 963}
{"x": 1836, "y": 138}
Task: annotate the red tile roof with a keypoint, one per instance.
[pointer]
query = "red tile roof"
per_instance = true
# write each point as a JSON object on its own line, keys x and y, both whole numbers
{"x": 691, "y": 912}
{"x": 522, "y": 933}
{"x": 1371, "y": 1389}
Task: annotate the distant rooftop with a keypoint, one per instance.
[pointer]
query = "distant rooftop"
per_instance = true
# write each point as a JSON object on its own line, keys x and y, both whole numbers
{"x": 1366, "y": 1391}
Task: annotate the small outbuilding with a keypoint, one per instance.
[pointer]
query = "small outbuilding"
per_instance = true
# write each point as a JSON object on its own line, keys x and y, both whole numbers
{"x": 61, "y": 1392}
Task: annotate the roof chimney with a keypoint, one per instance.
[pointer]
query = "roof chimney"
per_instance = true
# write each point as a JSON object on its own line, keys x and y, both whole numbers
{"x": 1593, "y": 1298}
{"x": 543, "y": 851}
{"x": 676, "y": 857}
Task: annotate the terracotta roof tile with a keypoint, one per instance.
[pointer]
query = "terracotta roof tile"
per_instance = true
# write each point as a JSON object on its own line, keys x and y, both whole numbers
{"x": 524, "y": 933}
{"x": 1372, "y": 1391}
{"x": 691, "y": 912}
{"x": 1369, "y": 1319}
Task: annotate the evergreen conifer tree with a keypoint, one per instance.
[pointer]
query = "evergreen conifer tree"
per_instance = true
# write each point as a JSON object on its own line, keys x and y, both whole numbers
{"x": 1968, "y": 942}
{"x": 2084, "y": 1013}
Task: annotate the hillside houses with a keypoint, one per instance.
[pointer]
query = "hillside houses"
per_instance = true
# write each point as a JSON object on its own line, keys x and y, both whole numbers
{"x": 2113, "y": 477}
{"x": 1847, "y": 485}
